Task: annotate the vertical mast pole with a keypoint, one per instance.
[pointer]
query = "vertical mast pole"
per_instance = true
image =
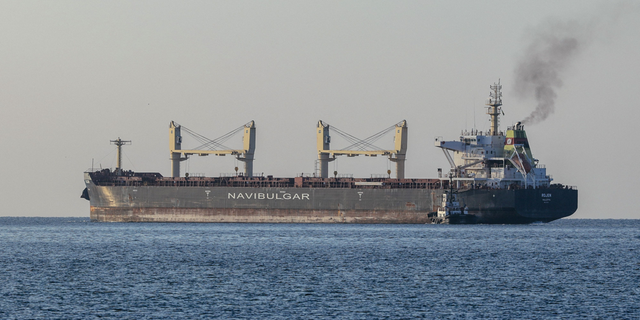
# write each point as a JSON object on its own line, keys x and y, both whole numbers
{"x": 494, "y": 102}
{"x": 119, "y": 143}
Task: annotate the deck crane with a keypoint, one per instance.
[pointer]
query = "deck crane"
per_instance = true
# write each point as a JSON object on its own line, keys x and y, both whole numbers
{"x": 397, "y": 155}
{"x": 245, "y": 154}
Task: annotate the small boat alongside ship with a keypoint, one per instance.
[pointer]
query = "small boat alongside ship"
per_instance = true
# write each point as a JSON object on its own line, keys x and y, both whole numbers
{"x": 450, "y": 211}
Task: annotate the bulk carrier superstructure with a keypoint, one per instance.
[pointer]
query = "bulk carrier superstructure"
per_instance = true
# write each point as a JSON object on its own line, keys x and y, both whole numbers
{"x": 494, "y": 174}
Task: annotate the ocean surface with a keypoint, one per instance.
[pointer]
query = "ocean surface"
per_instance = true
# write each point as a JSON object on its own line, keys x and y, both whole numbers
{"x": 71, "y": 268}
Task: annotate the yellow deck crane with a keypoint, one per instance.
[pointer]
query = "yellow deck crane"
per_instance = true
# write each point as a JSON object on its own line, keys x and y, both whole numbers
{"x": 245, "y": 154}
{"x": 397, "y": 155}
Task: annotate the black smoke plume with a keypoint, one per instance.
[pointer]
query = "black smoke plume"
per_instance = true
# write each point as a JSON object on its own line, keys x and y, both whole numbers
{"x": 538, "y": 74}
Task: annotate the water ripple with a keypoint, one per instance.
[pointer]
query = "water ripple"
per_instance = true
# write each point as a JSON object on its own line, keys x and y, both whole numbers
{"x": 70, "y": 268}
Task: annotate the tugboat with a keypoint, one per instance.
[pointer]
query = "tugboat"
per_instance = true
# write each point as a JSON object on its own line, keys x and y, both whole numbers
{"x": 450, "y": 211}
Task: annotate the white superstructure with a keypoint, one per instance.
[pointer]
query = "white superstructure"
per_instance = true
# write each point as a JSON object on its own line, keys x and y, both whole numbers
{"x": 494, "y": 159}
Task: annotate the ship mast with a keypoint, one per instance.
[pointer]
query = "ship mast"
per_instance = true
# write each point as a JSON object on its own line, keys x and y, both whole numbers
{"x": 119, "y": 143}
{"x": 494, "y": 102}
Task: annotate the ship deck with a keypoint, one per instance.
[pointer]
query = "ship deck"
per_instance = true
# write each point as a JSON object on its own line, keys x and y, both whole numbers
{"x": 128, "y": 178}
{"x": 133, "y": 179}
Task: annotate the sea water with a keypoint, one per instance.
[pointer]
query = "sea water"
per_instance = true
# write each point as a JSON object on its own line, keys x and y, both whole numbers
{"x": 71, "y": 268}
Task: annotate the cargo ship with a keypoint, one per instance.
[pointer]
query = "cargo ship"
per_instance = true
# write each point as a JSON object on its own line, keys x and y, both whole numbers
{"x": 493, "y": 174}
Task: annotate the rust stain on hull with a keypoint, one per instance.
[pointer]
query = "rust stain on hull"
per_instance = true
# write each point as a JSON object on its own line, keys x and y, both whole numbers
{"x": 254, "y": 215}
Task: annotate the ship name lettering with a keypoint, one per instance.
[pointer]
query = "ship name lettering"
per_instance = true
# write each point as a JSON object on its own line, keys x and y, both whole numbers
{"x": 268, "y": 196}
{"x": 546, "y": 195}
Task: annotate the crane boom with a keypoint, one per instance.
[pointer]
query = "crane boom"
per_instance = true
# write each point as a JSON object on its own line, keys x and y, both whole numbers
{"x": 397, "y": 155}
{"x": 245, "y": 155}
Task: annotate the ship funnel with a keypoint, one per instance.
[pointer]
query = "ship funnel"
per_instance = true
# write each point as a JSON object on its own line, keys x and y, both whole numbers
{"x": 517, "y": 150}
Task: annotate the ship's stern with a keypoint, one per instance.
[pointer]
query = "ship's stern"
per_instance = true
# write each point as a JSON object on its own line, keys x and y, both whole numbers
{"x": 546, "y": 204}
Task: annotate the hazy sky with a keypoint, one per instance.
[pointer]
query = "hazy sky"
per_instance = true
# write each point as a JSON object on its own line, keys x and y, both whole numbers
{"x": 76, "y": 74}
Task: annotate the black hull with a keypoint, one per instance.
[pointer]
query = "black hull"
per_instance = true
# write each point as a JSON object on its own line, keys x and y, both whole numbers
{"x": 520, "y": 206}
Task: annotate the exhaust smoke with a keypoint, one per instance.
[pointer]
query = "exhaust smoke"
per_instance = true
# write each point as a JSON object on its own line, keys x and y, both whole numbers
{"x": 538, "y": 74}
{"x": 553, "y": 46}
